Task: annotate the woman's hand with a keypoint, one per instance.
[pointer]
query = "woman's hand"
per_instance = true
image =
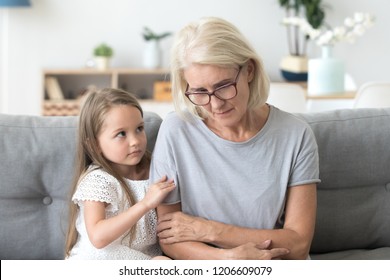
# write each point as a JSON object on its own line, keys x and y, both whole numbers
{"x": 178, "y": 227}
{"x": 252, "y": 251}
{"x": 157, "y": 192}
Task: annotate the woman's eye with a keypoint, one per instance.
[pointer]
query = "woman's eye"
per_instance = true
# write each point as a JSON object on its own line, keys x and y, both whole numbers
{"x": 199, "y": 91}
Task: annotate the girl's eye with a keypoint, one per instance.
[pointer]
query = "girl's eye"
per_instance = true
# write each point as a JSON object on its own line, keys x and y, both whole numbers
{"x": 121, "y": 134}
{"x": 141, "y": 128}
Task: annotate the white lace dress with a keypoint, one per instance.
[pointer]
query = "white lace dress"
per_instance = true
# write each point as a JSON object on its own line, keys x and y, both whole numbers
{"x": 98, "y": 185}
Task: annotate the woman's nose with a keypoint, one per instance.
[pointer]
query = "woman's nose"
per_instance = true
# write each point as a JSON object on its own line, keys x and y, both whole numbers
{"x": 215, "y": 102}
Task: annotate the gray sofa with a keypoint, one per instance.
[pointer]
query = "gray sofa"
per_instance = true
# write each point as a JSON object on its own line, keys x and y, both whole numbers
{"x": 353, "y": 217}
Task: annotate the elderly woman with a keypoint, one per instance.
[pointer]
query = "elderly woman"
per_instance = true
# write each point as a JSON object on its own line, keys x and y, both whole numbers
{"x": 245, "y": 171}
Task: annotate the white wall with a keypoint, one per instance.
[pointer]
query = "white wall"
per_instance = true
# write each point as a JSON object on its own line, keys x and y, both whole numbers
{"x": 62, "y": 34}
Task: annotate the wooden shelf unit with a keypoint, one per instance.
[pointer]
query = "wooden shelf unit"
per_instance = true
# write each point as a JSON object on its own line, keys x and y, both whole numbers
{"x": 74, "y": 82}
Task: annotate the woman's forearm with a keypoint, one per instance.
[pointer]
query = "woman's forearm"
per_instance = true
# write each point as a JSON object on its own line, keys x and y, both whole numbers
{"x": 296, "y": 235}
{"x": 247, "y": 251}
{"x": 179, "y": 228}
{"x": 228, "y": 236}
{"x": 193, "y": 251}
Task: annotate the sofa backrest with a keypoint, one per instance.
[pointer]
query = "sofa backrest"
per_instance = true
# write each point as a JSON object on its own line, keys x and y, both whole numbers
{"x": 37, "y": 155}
{"x": 354, "y": 195}
{"x": 37, "y": 160}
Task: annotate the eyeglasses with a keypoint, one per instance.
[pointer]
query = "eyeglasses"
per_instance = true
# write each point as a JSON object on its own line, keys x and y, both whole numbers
{"x": 224, "y": 92}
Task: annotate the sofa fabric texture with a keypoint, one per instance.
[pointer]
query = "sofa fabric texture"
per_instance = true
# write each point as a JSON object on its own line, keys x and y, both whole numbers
{"x": 353, "y": 213}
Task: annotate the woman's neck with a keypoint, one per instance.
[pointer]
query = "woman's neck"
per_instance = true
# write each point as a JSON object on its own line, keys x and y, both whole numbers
{"x": 251, "y": 123}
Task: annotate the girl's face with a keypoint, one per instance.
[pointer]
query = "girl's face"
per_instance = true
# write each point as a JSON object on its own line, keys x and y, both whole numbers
{"x": 122, "y": 139}
{"x": 201, "y": 78}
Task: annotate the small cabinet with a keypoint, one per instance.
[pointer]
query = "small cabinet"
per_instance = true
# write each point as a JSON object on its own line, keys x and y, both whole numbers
{"x": 63, "y": 89}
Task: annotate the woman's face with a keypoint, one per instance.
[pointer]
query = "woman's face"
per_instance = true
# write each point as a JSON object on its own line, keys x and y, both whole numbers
{"x": 207, "y": 78}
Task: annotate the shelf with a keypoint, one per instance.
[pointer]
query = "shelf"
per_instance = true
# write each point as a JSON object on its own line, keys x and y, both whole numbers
{"x": 70, "y": 84}
{"x": 339, "y": 95}
{"x": 325, "y": 96}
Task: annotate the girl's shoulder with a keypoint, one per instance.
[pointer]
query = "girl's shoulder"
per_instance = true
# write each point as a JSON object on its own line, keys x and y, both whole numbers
{"x": 96, "y": 174}
{"x": 97, "y": 185}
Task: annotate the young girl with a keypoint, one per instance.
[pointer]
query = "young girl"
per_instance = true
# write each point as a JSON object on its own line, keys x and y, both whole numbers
{"x": 112, "y": 213}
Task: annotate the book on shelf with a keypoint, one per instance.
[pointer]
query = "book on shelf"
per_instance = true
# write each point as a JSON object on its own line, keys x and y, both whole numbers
{"x": 53, "y": 88}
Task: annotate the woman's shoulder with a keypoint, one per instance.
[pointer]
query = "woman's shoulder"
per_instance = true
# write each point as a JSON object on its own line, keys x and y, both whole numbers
{"x": 174, "y": 117}
{"x": 174, "y": 121}
{"x": 288, "y": 119}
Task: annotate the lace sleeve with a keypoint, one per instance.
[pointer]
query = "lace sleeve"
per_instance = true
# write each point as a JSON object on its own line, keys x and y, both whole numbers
{"x": 97, "y": 186}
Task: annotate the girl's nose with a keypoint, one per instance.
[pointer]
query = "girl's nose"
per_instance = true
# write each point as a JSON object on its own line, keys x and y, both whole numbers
{"x": 133, "y": 141}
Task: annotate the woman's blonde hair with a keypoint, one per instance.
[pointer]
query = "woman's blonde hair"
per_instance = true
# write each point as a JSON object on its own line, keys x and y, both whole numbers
{"x": 213, "y": 41}
{"x": 92, "y": 115}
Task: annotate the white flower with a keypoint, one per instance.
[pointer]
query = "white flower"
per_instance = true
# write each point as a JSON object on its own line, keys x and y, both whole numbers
{"x": 349, "y": 22}
{"x": 359, "y": 17}
{"x": 353, "y": 27}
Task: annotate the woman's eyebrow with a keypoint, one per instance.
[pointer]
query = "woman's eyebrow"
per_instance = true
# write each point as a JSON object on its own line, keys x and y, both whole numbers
{"x": 216, "y": 85}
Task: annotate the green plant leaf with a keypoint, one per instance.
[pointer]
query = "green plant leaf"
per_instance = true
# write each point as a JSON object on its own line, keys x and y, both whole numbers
{"x": 148, "y": 34}
{"x": 103, "y": 50}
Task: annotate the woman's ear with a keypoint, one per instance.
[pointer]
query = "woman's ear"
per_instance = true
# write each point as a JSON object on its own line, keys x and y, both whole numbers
{"x": 250, "y": 70}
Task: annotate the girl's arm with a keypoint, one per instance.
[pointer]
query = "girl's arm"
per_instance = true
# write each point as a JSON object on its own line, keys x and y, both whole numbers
{"x": 102, "y": 231}
{"x": 296, "y": 234}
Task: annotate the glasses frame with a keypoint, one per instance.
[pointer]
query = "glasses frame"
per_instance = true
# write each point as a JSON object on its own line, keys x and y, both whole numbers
{"x": 234, "y": 83}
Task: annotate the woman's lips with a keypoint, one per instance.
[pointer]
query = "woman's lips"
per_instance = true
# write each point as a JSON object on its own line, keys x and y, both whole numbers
{"x": 223, "y": 113}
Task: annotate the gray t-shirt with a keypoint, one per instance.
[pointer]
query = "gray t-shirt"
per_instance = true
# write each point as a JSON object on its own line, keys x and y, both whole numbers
{"x": 243, "y": 183}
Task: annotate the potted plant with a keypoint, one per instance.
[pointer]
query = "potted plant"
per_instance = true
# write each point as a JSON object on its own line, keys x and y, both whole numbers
{"x": 103, "y": 54}
{"x": 294, "y": 66}
{"x": 152, "y": 52}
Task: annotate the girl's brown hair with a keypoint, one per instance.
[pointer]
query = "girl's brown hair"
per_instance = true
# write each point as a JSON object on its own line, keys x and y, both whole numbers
{"x": 91, "y": 119}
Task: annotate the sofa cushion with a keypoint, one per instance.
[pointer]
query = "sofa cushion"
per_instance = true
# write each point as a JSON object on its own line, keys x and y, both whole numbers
{"x": 37, "y": 156}
{"x": 367, "y": 254}
{"x": 354, "y": 195}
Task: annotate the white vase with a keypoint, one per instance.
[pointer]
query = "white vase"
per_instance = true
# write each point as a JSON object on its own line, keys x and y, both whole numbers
{"x": 326, "y": 74}
{"x": 152, "y": 54}
{"x": 102, "y": 62}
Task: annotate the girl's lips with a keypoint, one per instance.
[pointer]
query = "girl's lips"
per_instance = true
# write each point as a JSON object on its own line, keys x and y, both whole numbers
{"x": 135, "y": 153}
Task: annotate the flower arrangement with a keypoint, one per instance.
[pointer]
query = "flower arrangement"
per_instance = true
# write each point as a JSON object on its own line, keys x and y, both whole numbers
{"x": 312, "y": 12}
{"x": 352, "y": 28}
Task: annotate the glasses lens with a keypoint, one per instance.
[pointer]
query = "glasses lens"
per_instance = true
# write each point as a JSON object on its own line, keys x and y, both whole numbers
{"x": 199, "y": 98}
{"x": 226, "y": 92}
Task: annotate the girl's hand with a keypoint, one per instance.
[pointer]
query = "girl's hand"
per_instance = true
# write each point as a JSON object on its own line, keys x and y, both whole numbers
{"x": 157, "y": 192}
